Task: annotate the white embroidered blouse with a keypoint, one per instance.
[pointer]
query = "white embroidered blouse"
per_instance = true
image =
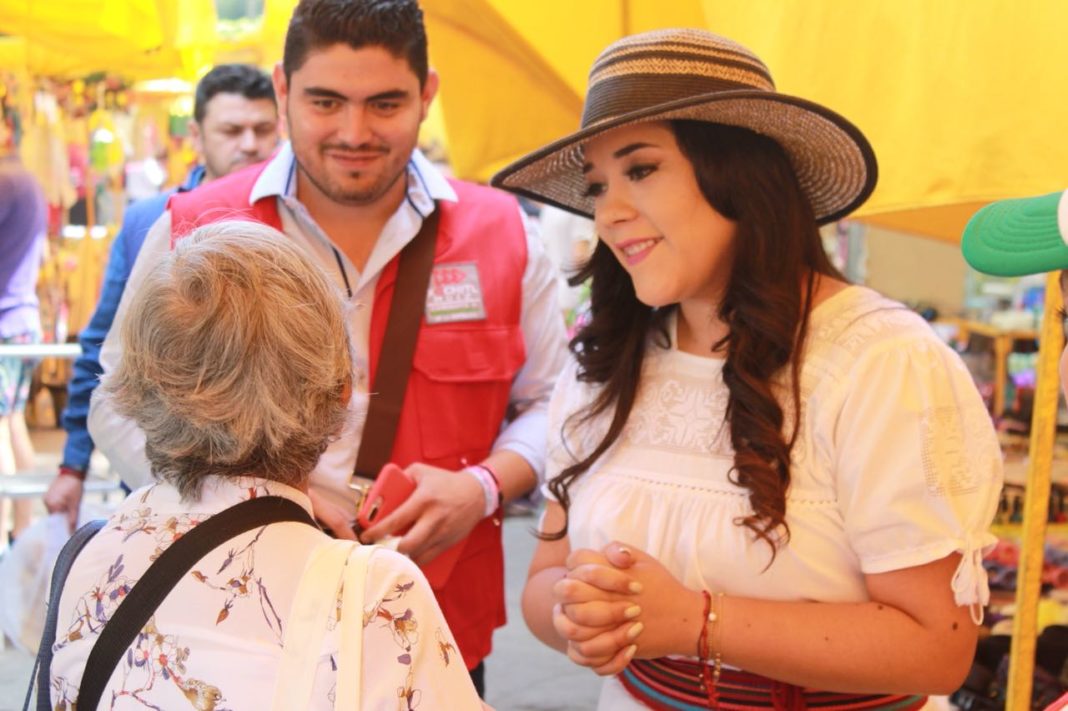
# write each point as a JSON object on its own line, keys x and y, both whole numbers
{"x": 215, "y": 642}
{"x": 896, "y": 465}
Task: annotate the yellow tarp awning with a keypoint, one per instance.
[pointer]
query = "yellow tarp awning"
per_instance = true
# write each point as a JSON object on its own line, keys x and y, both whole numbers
{"x": 963, "y": 100}
{"x": 513, "y": 74}
{"x": 138, "y": 38}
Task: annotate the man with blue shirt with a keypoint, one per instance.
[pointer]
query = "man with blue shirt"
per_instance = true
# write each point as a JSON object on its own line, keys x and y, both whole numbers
{"x": 352, "y": 189}
{"x": 235, "y": 125}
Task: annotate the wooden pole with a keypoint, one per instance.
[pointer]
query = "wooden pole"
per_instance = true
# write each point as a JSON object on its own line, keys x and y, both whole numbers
{"x": 1036, "y": 502}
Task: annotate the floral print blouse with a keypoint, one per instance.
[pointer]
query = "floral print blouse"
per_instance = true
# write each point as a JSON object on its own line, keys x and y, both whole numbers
{"x": 215, "y": 643}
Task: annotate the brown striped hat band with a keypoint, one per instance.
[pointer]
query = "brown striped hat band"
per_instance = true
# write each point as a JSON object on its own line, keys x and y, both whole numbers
{"x": 696, "y": 75}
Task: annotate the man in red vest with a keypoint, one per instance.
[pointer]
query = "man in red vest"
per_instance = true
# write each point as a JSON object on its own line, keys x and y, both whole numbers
{"x": 352, "y": 188}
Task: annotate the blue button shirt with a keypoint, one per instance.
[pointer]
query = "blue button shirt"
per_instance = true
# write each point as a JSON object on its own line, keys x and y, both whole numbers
{"x": 139, "y": 217}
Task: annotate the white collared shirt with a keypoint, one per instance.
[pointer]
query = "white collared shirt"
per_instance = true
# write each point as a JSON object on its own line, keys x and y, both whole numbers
{"x": 540, "y": 320}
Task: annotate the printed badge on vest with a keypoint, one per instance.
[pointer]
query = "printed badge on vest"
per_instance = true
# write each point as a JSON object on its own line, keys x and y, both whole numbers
{"x": 455, "y": 294}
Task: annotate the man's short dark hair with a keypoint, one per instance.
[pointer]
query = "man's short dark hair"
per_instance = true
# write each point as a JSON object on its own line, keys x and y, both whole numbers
{"x": 394, "y": 25}
{"x": 243, "y": 79}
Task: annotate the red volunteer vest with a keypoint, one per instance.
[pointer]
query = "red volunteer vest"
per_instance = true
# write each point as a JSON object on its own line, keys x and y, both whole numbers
{"x": 462, "y": 372}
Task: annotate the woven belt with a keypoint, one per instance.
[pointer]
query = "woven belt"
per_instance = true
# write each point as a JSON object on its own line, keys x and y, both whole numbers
{"x": 673, "y": 684}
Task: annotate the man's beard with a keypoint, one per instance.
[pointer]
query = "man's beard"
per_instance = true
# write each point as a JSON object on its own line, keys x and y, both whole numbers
{"x": 356, "y": 197}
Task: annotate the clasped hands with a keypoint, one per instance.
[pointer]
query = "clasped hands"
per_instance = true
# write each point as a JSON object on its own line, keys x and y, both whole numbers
{"x": 620, "y": 603}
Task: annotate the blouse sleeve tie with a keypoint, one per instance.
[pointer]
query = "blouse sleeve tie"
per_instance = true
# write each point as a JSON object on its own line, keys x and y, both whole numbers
{"x": 970, "y": 586}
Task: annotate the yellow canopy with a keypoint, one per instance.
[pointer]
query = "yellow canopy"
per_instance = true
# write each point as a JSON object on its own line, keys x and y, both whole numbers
{"x": 18, "y": 54}
{"x": 513, "y": 74}
{"x": 964, "y": 102}
{"x": 139, "y": 38}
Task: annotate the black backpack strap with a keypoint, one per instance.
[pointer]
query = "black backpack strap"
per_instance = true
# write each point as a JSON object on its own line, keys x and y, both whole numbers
{"x": 161, "y": 577}
{"x": 42, "y": 668}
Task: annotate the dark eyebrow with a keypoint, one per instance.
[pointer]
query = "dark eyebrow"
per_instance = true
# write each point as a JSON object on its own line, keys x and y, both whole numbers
{"x": 627, "y": 150}
{"x": 323, "y": 93}
{"x": 258, "y": 124}
{"x": 621, "y": 153}
{"x": 394, "y": 95}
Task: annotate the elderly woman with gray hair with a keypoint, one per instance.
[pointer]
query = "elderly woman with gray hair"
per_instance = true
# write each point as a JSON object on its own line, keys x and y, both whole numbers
{"x": 237, "y": 367}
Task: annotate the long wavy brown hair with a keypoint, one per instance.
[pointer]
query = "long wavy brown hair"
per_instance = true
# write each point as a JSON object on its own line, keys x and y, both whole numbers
{"x": 778, "y": 254}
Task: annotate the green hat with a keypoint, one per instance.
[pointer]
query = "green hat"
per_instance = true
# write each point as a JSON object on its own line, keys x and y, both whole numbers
{"x": 1020, "y": 236}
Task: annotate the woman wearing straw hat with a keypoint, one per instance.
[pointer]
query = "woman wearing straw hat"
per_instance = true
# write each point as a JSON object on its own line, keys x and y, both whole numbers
{"x": 768, "y": 488}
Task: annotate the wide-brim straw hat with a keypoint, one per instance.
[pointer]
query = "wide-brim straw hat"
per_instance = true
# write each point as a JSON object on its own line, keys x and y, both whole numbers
{"x": 696, "y": 75}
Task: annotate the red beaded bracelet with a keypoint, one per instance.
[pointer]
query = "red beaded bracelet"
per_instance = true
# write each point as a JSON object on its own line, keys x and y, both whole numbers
{"x": 710, "y": 672}
{"x": 71, "y": 471}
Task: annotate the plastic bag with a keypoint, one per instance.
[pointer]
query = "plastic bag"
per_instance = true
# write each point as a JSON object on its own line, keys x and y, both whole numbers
{"x": 26, "y": 574}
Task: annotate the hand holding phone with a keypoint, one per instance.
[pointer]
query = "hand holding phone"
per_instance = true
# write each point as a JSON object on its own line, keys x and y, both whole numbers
{"x": 391, "y": 488}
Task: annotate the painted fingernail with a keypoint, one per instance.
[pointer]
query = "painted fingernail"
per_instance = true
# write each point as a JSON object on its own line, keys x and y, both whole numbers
{"x": 631, "y": 612}
{"x": 634, "y": 631}
{"x": 635, "y": 587}
{"x": 630, "y": 651}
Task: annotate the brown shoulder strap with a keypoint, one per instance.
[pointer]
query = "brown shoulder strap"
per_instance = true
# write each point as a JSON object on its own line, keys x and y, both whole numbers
{"x": 398, "y": 349}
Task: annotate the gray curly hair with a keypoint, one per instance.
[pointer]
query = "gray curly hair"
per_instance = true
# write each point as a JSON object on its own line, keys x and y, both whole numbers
{"x": 235, "y": 359}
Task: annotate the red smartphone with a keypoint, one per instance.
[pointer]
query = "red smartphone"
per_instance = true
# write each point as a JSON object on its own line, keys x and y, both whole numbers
{"x": 390, "y": 489}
